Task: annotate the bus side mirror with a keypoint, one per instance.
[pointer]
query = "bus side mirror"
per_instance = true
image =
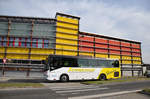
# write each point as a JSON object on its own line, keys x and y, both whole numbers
{"x": 116, "y": 64}
{"x": 43, "y": 62}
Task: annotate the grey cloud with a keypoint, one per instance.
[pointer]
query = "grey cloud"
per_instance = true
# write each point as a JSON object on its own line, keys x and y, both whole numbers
{"x": 118, "y": 19}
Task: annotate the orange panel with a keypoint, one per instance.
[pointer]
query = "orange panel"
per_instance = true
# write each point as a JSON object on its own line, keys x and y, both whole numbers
{"x": 135, "y": 45}
{"x": 114, "y": 52}
{"x": 114, "y": 47}
{"x": 136, "y": 54}
{"x": 125, "y": 44}
{"x": 126, "y": 49}
{"x": 101, "y": 45}
{"x": 114, "y": 42}
{"x": 86, "y": 43}
{"x": 100, "y": 40}
{"x": 85, "y": 49}
{"x": 101, "y": 50}
{"x": 125, "y": 53}
{"x": 87, "y": 38}
{"x": 136, "y": 50}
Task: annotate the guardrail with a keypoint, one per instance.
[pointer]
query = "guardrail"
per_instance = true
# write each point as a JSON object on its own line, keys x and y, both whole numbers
{"x": 28, "y": 68}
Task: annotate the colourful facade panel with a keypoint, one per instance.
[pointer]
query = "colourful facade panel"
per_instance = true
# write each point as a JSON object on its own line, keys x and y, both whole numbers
{"x": 100, "y": 40}
{"x": 114, "y": 52}
{"x": 98, "y": 50}
{"x": 69, "y": 20}
{"x": 67, "y": 25}
{"x": 101, "y": 45}
{"x": 115, "y": 56}
{"x": 113, "y": 42}
{"x": 101, "y": 55}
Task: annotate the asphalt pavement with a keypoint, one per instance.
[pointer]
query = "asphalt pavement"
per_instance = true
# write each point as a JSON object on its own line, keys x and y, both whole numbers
{"x": 75, "y": 90}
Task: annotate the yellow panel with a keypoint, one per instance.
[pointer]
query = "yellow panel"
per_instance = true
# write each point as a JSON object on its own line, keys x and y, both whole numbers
{"x": 102, "y": 55}
{"x": 136, "y": 58}
{"x": 17, "y": 50}
{"x": 2, "y": 49}
{"x": 126, "y": 62}
{"x": 69, "y": 36}
{"x": 136, "y": 62}
{"x": 109, "y": 72}
{"x": 41, "y": 51}
{"x": 38, "y": 57}
{"x": 70, "y": 53}
{"x": 67, "y": 30}
{"x": 60, "y": 18}
{"x": 63, "y": 41}
{"x": 67, "y": 25}
{"x": 1, "y": 56}
{"x": 86, "y": 54}
{"x": 67, "y": 47}
{"x": 126, "y": 57}
{"x": 115, "y": 56}
{"x": 16, "y": 56}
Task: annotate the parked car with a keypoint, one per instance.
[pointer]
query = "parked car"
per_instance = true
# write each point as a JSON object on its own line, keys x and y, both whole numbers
{"x": 147, "y": 73}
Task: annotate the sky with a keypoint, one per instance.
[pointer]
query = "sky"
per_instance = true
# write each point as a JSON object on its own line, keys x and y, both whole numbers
{"x": 126, "y": 19}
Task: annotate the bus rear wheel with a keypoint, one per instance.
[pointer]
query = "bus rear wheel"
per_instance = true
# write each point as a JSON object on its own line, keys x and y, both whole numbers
{"x": 64, "y": 78}
{"x": 102, "y": 77}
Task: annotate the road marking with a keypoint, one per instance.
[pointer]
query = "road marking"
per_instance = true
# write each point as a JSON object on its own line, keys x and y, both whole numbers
{"x": 85, "y": 86}
{"x": 103, "y": 95}
{"x": 56, "y": 89}
{"x": 68, "y": 91}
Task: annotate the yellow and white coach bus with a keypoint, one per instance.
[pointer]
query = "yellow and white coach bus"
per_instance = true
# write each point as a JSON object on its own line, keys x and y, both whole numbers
{"x": 65, "y": 68}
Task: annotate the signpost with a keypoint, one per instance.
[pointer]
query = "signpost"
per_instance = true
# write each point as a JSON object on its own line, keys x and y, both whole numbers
{"x": 3, "y": 70}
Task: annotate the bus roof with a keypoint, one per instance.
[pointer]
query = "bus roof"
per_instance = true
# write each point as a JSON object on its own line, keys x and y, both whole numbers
{"x": 82, "y": 57}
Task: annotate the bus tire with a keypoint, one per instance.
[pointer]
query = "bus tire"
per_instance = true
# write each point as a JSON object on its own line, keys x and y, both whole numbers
{"x": 102, "y": 77}
{"x": 64, "y": 78}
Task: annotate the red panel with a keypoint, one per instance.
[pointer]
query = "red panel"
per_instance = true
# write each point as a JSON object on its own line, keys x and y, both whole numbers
{"x": 114, "y": 42}
{"x": 19, "y": 41}
{"x": 85, "y": 49}
{"x": 126, "y": 49}
{"x": 125, "y": 44}
{"x": 136, "y": 54}
{"x": 100, "y": 40}
{"x": 87, "y": 38}
{"x": 101, "y": 50}
{"x": 135, "y": 45}
{"x": 8, "y": 42}
{"x": 114, "y": 52}
{"x": 114, "y": 47}
{"x": 101, "y": 45}
{"x": 136, "y": 50}
{"x": 86, "y": 43}
{"x": 125, "y": 53}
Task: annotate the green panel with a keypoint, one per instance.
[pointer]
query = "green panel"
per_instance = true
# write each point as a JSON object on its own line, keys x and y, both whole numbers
{"x": 3, "y": 28}
{"x": 20, "y": 29}
{"x": 44, "y": 30}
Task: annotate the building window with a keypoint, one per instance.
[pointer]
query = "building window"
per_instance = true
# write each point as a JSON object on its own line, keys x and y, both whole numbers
{"x": 11, "y": 39}
{"x": 23, "y": 42}
{"x": 1, "y": 41}
{"x": 28, "y": 43}
{"x": 16, "y": 42}
{"x": 4, "y": 41}
{"x": 46, "y": 43}
{"x": 34, "y": 41}
{"x": 40, "y": 42}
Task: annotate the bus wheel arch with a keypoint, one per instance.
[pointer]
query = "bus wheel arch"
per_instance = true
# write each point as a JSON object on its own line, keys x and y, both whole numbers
{"x": 102, "y": 76}
{"x": 64, "y": 78}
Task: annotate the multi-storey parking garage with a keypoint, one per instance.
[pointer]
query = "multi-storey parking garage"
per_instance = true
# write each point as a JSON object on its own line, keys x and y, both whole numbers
{"x": 29, "y": 40}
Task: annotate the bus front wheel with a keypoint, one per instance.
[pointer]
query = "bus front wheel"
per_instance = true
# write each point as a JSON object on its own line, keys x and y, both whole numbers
{"x": 102, "y": 77}
{"x": 64, "y": 78}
